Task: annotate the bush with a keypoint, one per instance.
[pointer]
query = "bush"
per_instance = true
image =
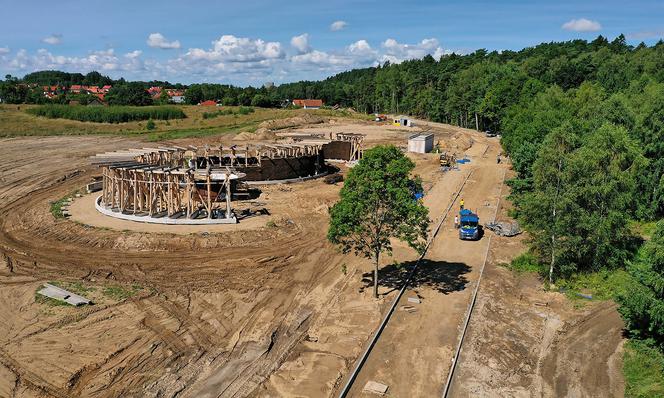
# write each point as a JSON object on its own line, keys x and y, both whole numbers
{"x": 243, "y": 110}
{"x": 642, "y": 303}
{"x": 150, "y": 125}
{"x": 604, "y": 284}
{"x": 110, "y": 114}
{"x": 643, "y": 366}
{"x": 526, "y": 262}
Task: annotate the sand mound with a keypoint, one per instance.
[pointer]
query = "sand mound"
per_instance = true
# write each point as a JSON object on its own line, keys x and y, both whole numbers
{"x": 292, "y": 122}
{"x": 457, "y": 143}
{"x": 261, "y": 134}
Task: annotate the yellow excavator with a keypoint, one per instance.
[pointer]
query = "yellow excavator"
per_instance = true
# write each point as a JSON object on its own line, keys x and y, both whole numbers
{"x": 447, "y": 160}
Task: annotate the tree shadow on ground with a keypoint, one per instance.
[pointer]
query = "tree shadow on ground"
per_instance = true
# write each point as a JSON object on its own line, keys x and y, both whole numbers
{"x": 442, "y": 276}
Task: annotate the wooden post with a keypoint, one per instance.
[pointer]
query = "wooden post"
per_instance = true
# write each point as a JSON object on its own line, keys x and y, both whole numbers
{"x": 135, "y": 190}
{"x": 228, "y": 196}
{"x": 209, "y": 195}
{"x": 151, "y": 190}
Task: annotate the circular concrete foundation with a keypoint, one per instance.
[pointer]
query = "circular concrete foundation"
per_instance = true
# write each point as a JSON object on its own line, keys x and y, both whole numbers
{"x": 162, "y": 220}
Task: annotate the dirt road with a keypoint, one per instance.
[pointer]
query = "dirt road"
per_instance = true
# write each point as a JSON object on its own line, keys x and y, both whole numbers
{"x": 413, "y": 354}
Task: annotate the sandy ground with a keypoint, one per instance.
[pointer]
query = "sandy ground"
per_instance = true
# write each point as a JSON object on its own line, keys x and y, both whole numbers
{"x": 213, "y": 312}
{"x": 250, "y": 310}
{"x": 272, "y": 197}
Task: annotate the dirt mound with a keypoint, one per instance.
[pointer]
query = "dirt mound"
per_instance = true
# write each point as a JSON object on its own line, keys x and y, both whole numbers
{"x": 457, "y": 143}
{"x": 296, "y": 121}
{"x": 261, "y": 134}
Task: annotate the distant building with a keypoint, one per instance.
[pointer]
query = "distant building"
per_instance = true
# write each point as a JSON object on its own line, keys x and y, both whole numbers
{"x": 420, "y": 143}
{"x": 176, "y": 96}
{"x": 208, "y": 103}
{"x": 308, "y": 103}
{"x": 155, "y": 92}
{"x": 403, "y": 121}
{"x": 268, "y": 85}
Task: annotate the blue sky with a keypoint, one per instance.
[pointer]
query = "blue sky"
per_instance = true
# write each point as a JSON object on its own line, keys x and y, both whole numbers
{"x": 252, "y": 42}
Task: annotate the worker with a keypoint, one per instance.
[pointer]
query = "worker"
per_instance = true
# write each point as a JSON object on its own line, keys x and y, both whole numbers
{"x": 498, "y": 159}
{"x": 462, "y": 203}
{"x": 456, "y": 222}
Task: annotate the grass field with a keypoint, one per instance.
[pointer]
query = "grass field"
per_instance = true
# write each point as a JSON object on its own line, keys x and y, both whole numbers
{"x": 16, "y": 122}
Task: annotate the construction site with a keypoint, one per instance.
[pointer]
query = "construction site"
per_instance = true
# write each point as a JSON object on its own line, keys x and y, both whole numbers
{"x": 200, "y": 267}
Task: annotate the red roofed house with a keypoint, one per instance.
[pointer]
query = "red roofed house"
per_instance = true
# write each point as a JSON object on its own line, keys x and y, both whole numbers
{"x": 76, "y": 88}
{"x": 106, "y": 88}
{"x": 177, "y": 96}
{"x": 208, "y": 103}
{"x": 308, "y": 103}
{"x": 154, "y": 92}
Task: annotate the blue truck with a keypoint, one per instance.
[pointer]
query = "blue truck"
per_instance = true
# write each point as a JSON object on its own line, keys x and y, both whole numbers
{"x": 469, "y": 225}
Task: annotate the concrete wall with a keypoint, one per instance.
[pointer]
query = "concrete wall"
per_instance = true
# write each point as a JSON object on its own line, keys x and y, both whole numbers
{"x": 283, "y": 168}
{"x": 337, "y": 150}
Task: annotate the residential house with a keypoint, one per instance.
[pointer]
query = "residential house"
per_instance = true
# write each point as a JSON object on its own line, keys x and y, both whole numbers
{"x": 208, "y": 103}
{"x": 176, "y": 96}
{"x": 155, "y": 92}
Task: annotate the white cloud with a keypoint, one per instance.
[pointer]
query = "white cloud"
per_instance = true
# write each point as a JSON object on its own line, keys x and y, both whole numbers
{"x": 361, "y": 48}
{"x": 238, "y": 49}
{"x": 229, "y": 59}
{"x": 396, "y": 52}
{"x": 134, "y": 54}
{"x": 358, "y": 54}
{"x": 301, "y": 43}
{"x": 338, "y": 25}
{"x": 104, "y": 60}
{"x": 582, "y": 25}
{"x": 157, "y": 40}
{"x": 4, "y": 50}
{"x": 53, "y": 39}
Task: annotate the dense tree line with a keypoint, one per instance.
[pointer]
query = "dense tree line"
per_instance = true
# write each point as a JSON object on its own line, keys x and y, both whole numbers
{"x": 29, "y": 89}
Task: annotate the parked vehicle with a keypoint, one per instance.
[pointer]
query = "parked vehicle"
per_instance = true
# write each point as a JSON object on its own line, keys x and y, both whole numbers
{"x": 469, "y": 225}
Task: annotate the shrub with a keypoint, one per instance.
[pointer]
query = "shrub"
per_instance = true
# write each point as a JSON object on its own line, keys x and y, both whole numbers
{"x": 110, "y": 114}
{"x": 243, "y": 110}
{"x": 644, "y": 370}
{"x": 150, "y": 125}
{"x": 526, "y": 262}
